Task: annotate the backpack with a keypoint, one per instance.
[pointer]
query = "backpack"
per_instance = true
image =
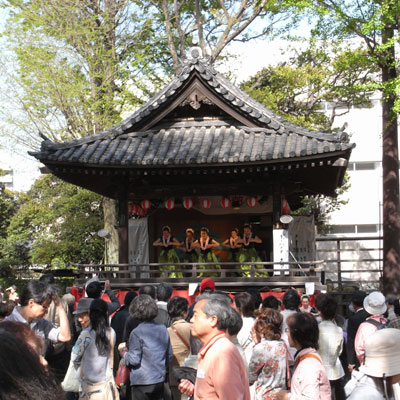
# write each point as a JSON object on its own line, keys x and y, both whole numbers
{"x": 379, "y": 325}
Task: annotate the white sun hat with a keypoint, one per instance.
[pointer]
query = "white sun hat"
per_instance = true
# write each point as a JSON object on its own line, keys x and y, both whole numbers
{"x": 382, "y": 353}
{"x": 375, "y": 303}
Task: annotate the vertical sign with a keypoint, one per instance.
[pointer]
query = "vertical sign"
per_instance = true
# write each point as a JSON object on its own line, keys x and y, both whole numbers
{"x": 280, "y": 239}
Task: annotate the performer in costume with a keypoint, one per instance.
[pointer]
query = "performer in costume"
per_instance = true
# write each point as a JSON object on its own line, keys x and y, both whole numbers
{"x": 249, "y": 252}
{"x": 189, "y": 246}
{"x": 233, "y": 245}
{"x": 205, "y": 245}
{"x": 168, "y": 253}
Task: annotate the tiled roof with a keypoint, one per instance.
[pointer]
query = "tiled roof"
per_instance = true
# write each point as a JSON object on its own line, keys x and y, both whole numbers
{"x": 192, "y": 142}
{"x": 189, "y": 146}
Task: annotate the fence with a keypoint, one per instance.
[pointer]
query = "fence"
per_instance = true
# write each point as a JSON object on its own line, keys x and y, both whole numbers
{"x": 264, "y": 275}
{"x": 351, "y": 262}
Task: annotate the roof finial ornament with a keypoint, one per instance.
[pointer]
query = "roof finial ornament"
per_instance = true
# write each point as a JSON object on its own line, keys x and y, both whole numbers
{"x": 195, "y": 53}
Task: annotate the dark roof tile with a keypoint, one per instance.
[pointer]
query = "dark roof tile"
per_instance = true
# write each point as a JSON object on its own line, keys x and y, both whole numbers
{"x": 190, "y": 146}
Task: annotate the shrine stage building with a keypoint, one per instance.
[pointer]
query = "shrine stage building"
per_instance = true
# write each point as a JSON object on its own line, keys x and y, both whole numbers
{"x": 201, "y": 152}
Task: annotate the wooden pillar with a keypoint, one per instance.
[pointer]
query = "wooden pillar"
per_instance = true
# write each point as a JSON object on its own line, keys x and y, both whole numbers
{"x": 123, "y": 245}
{"x": 276, "y": 205}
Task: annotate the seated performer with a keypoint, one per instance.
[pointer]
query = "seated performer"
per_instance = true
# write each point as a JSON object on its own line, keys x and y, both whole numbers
{"x": 168, "y": 253}
{"x": 249, "y": 252}
{"x": 189, "y": 246}
{"x": 233, "y": 245}
{"x": 206, "y": 243}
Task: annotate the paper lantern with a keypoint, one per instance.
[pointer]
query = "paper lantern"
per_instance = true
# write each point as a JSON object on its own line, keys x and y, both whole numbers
{"x": 205, "y": 203}
{"x": 188, "y": 203}
{"x": 285, "y": 207}
{"x": 146, "y": 204}
{"x": 170, "y": 204}
{"x": 134, "y": 209}
{"x": 225, "y": 202}
{"x": 252, "y": 201}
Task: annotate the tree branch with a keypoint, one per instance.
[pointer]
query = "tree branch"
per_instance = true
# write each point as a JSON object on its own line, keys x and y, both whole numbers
{"x": 228, "y": 36}
{"x": 170, "y": 37}
{"x": 199, "y": 25}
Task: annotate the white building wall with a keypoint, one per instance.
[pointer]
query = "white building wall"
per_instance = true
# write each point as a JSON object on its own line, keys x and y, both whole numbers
{"x": 362, "y": 216}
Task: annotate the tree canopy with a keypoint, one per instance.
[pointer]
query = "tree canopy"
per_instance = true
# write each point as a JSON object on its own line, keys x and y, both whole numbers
{"x": 297, "y": 89}
{"x": 77, "y": 64}
{"x": 377, "y": 24}
{"x": 55, "y": 225}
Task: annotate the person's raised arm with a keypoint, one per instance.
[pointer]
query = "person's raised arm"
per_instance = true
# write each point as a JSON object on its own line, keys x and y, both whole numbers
{"x": 65, "y": 334}
{"x": 113, "y": 298}
{"x": 213, "y": 243}
{"x": 226, "y": 243}
{"x": 256, "y": 239}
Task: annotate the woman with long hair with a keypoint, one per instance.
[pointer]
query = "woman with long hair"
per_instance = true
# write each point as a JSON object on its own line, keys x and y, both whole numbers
{"x": 93, "y": 352}
{"x": 22, "y": 375}
{"x": 25, "y": 333}
{"x": 268, "y": 366}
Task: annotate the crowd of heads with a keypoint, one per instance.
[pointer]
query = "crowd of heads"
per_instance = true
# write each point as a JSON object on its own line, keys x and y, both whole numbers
{"x": 214, "y": 311}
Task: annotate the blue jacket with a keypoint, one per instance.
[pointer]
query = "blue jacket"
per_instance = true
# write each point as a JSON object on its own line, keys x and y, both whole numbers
{"x": 149, "y": 353}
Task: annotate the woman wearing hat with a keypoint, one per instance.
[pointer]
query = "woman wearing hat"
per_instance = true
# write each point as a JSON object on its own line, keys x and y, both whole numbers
{"x": 168, "y": 253}
{"x": 375, "y": 305}
{"x": 93, "y": 354}
{"x": 380, "y": 370}
{"x": 82, "y": 312}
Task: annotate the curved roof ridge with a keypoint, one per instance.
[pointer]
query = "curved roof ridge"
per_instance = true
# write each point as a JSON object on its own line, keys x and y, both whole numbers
{"x": 269, "y": 121}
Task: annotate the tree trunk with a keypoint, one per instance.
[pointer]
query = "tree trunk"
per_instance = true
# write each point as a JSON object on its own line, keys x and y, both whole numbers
{"x": 111, "y": 250}
{"x": 390, "y": 171}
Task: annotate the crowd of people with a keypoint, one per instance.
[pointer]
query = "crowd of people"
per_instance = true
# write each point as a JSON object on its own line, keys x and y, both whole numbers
{"x": 241, "y": 249}
{"x": 222, "y": 346}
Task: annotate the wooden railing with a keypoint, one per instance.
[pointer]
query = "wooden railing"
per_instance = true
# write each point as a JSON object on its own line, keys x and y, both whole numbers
{"x": 261, "y": 274}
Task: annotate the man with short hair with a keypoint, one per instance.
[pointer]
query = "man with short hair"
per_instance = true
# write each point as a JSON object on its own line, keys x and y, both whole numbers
{"x": 94, "y": 290}
{"x": 36, "y": 298}
{"x": 221, "y": 373}
{"x": 360, "y": 315}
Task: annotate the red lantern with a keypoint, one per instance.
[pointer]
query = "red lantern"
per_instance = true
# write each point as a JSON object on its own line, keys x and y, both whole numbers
{"x": 225, "y": 202}
{"x": 170, "y": 204}
{"x": 205, "y": 203}
{"x": 134, "y": 209}
{"x": 146, "y": 204}
{"x": 188, "y": 203}
{"x": 285, "y": 206}
{"x": 252, "y": 201}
